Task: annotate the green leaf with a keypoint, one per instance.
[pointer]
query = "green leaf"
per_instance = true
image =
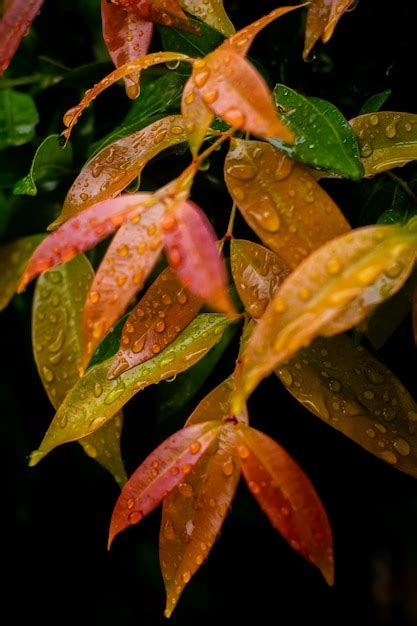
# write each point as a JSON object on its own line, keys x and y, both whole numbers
{"x": 375, "y": 102}
{"x": 50, "y": 163}
{"x": 194, "y": 44}
{"x": 13, "y": 258}
{"x": 95, "y": 398}
{"x": 18, "y": 118}
{"x": 323, "y": 137}
{"x": 107, "y": 348}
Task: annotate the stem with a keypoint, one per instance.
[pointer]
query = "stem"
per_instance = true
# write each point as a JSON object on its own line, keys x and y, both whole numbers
{"x": 5, "y": 83}
{"x": 410, "y": 193}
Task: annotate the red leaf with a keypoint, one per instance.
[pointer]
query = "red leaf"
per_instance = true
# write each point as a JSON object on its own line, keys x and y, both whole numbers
{"x": 165, "y": 12}
{"x": 127, "y": 37}
{"x": 163, "y": 469}
{"x": 82, "y": 233}
{"x": 287, "y": 497}
{"x": 15, "y": 23}
{"x": 193, "y": 253}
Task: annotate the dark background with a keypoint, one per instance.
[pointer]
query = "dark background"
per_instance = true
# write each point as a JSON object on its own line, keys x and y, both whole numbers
{"x": 57, "y": 566}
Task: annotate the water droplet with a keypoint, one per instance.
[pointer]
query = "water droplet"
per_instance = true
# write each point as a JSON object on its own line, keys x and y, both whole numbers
{"x": 90, "y": 450}
{"x": 186, "y": 469}
{"x": 333, "y": 266}
{"x": 368, "y": 394}
{"x": 114, "y": 394}
{"x": 200, "y": 78}
{"x": 63, "y": 421}
{"x": 391, "y": 129}
{"x": 334, "y": 386}
{"x": 186, "y": 490}
{"x": 210, "y": 96}
{"x": 98, "y": 389}
{"x": 408, "y": 127}
{"x": 243, "y": 452}
{"x": 182, "y": 297}
{"x": 402, "y": 446}
{"x": 366, "y": 150}
{"x": 228, "y": 467}
{"x": 139, "y": 344}
{"x": 186, "y": 577}
{"x": 370, "y": 432}
{"x": 389, "y": 456}
{"x": 244, "y": 171}
{"x": 156, "y": 348}
{"x": 412, "y": 416}
{"x": 223, "y": 509}
{"x": 304, "y": 294}
{"x": 160, "y": 327}
{"x": 199, "y": 559}
{"x": 175, "y": 471}
{"x": 279, "y": 305}
{"x": 134, "y": 517}
{"x": 234, "y": 117}
{"x": 285, "y": 376}
{"x": 48, "y": 374}
{"x": 94, "y": 296}
{"x": 374, "y": 120}
{"x": 254, "y": 487}
{"x": 130, "y": 503}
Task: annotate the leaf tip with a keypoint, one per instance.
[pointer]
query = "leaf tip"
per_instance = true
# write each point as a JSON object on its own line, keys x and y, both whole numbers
{"x": 35, "y": 457}
{"x": 327, "y": 569}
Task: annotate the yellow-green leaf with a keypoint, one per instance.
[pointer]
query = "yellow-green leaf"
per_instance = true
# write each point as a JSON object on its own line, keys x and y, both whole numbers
{"x": 13, "y": 259}
{"x": 210, "y": 12}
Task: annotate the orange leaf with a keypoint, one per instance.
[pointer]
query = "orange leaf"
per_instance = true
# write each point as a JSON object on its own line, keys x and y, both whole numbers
{"x": 127, "y": 37}
{"x": 14, "y": 24}
{"x": 287, "y": 497}
{"x": 81, "y": 233}
{"x": 123, "y": 271}
{"x": 280, "y": 200}
{"x": 322, "y": 18}
{"x": 161, "y": 471}
{"x": 115, "y": 166}
{"x": 193, "y": 252}
{"x": 159, "y": 317}
{"x": 215, "y": 405}
{"x": 197, "y": 116}
{"x": 165, "y": 12}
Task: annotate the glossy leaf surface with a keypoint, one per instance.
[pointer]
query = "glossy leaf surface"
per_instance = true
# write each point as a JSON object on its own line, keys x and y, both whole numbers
{"x": 118, "y": 164}
{"x": 211, "y": 12}
{"x": 18, "y": 118}
{"x": 323, "y": 137}
{"x": 322, "y": 18}
{"x": 158, "y": 318}
{"x": 197, "y": 116}
{"x": 13, "y": 258}
{"x": 166, "y": 12}
{"x": 353, "y": 392}
{"x": 374, "y": 103}
{"x": 14, "y": 24}
{"x": 160, "y": 473}
{"x": 127, "y": 37}
{"x": 192, "y": 250}
{"x": 331, "y": 291}
{"x": 287, "y": 497}
{"x": 95, "y": 398}
{"x": 386, "y": 140}
{"x": 280, "y": 200}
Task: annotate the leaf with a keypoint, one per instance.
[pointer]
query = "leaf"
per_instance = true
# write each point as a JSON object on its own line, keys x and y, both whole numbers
{"x": 72, "y": 115}
{"x": 49, "y": 165}
{"x": 56, "y": 334}
{"x": 386, "y": 140}
{"x": 83, "y": 232}
{"x": 123, "y": 271}
{"x": 95, "y": 398}
{"x": 322, "y": 18}
{"x": 374, "y": 103}
{"x": 18, "y": 118}
{"x": 193, "y": 253}
{"x": 280, "y": 200}
{"x": 118, "y": 164}
{"x": 14, "y": 25}
{"x": 161, "y": 471}
{"x": 166, "y": 12}
{"x": 13, "y": 258}
{"x": 158, "y": 318}
{"x": 287, "y": 498}
{"x": 331, "y": 291}
{"x": 197, "y": 117}
{"x": 110, "y": 343}
{"x": 323, "y": 137}
{"x": 210, "y": 12}
{"x": 257, "y": 273}
{"x": 191, "y": 43}
{"x": 127, "y": 38}
{"x": 354, "y": 393}
{"x": 415, "y": 315}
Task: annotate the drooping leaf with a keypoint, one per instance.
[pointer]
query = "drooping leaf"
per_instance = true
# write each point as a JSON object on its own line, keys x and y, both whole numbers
{"x": 127, "y": 37}
{"x": 15, "y": 23}
{"x": 113, "y": 168}
{"x": 374, "y": 103}
{"x": 49, "y": 165}
{"x": 287, "y": 497}
{"x": 123, "y": 271}
{"x": 18, "y": 118}
{"x": 166, "y": 12}
{"x": 197, "y": 116}
{"x": 322, "y": 18}
{"x": 72, "y": 115}
{"x": 192, "y": 43}
{"x": 13, "y": 258}
{"x": 95, "y": 398}
{"x": 353, "y": 392}
{"x": 192, "y": 250}
{"x": 331, "y": 291}
{"x": 160, "y": 473}
{"x": 82, "y": 232}
{"x": 160, "y": 316}
{"x": 257, "y": 273}
{"x": 323, "y": 137}
{"x": 280, "y": 200}
{"x": 56, "y": 334}
{"x": 386, "y": 140}
{"x": 210, "y": 12}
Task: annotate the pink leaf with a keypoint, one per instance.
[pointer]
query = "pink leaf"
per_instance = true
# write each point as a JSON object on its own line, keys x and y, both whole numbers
{"x": 16, "y": 21}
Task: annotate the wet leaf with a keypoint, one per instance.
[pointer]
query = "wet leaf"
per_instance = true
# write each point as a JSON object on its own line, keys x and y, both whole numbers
{"x": 95, "y": 398}
{"x": 158, "y": 318}
{"x": 323, "y": 137}
{"x": 197, "y": 116}
{"x": 257, "y": 273}
{"x": 13, "y": 258}
{"x": 374, "y": 103}
{"x": 192, "y": 43}
{"x": 128, "y": 261}
{"x": 193, "y": 253}
{"x": 386, "y": 140}
{"x": 166, "y": 12}
{"x": 415, "y": 315}
{"x": 127, "y": 38}
{"x": 354, "y": 393}
{"x": 56, "y": 334}
{"x": 210, "y": 12}
{"x": 331, "y": 291}
{"x": 49, "y": 165}
{"x": 110, "y": 344}
{"x": 18, "y": 118}
{"x": 322, "y": 18}
{"x": 160, "y": 473}
{"x": 280, "y": 200}
{"x": 82, "y": 232}
{"x": 118, "y": 164}
{"x": 15, "y": 23}
{"x": 287, "y": 497}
